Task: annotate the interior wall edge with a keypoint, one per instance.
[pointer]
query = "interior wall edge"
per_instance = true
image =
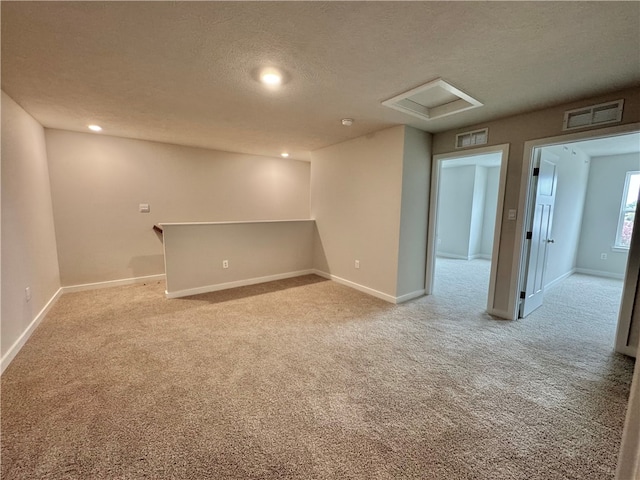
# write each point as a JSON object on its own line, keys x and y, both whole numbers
{"x": 11, "y": 353}
{"x": 356, "y": 196}
{"x": 30, "y": 268}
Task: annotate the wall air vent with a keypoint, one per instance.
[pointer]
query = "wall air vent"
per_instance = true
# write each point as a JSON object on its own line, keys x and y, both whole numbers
{"x": 432, "y": 100}
{"x": 471, "y": 139}
{"x": 594, "y": 115}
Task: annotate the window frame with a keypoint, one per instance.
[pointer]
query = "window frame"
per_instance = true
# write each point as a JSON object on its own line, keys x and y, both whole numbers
{"x": 623, "y": 210}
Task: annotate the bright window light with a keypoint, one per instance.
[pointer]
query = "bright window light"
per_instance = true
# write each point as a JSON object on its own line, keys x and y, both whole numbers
{"x": 628, "y": 209}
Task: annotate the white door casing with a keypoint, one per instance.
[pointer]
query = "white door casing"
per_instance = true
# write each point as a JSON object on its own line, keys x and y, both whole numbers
{"x": 629, "y": 458}
{"x": 503, "y": 149}
{"x": 631, "y": 293}
{"x": 628, "y": 314}
{"x": 546, "y": 175}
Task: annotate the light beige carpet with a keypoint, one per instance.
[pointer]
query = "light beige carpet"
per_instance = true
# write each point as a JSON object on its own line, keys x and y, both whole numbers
{"x": 307, "y": 379}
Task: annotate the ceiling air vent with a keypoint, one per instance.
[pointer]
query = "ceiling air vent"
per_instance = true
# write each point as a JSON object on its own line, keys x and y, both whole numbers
{"x": 470, "y": 139}
{"x": 595, "y": 115}
{"x": 432, "y": 100}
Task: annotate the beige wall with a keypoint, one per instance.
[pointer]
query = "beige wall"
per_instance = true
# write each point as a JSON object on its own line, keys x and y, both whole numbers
{"x": 194, "y": 254}
{"x": 601, "y": 214}
{"x": 99, "y": 181}
{"x": 28, "y": 236}
{"x": 369, "y": 197}
{"x": 516, "y": 131}
{"x": 455, "y": 211}
{"x": 567, "y": 221}
{"x": 356, "y": 191}
{"x": 416, "y": 178}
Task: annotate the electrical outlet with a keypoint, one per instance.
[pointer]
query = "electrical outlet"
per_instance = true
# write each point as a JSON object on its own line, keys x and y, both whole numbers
{"x": 603, "y": 256}
{"x": 357, "y": 264}
{"x": 225, "y": 263}
{"x": 27, "y": 294}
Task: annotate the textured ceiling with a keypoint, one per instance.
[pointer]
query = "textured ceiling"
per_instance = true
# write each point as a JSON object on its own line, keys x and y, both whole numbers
{"x": 185, "y": 72}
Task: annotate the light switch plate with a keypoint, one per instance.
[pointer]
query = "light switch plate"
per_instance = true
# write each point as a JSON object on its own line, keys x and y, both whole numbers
{"x": 513, "y": 214}
{"x": 144, "y": 208}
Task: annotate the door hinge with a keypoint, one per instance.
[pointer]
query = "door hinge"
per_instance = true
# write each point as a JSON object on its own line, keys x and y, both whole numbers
{"x": 536, "y": 172}
{"x": 529, "y": 235}
{"x": 523, "y": 295}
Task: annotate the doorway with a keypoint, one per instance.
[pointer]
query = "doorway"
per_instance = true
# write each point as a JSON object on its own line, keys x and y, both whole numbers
{"x": 579, "y": 224}
{"x": 467, "y": 197}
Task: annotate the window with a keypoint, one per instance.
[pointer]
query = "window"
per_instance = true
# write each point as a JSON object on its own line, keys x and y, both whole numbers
{"x": 628, "y": 209}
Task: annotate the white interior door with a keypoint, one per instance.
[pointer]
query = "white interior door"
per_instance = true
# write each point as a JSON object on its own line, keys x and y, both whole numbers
{"x": 538, "y": 236}
{"x": 628, "y": 331}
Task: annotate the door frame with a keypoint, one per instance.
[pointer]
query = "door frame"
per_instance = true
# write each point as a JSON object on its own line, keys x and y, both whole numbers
{"x": 629, "y": 292}
{"x": 525, "y": 206}
{"x": 502, "y": 149}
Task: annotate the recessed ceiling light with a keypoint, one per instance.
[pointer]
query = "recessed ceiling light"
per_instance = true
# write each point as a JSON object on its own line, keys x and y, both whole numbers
{"x": 284, "y": 154}
{"x": 271, "y": 77}
{"x": 347, "y": 122}
{"x": 95, "y": 128}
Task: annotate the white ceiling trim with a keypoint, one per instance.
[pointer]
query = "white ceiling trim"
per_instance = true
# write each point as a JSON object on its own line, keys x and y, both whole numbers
{"x": 433, "y": 100}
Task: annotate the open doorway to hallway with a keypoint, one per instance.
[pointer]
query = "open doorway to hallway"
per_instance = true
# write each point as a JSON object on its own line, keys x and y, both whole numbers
{"x": 578, "y": 251}
{"x": 468, "y": 194}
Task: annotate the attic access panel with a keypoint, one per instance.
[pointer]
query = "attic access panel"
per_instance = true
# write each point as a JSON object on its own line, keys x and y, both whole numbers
{"x": 433, "y": 100}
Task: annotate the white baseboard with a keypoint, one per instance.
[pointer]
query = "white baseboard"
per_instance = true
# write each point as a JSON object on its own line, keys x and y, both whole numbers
{"x": 500, "y": 314}
{"x": 627, "y": 350}
{"x": 370, "y": 291}
{"x": 19, "y": 343}
{"x": 455, "y": 256}
{"x": 553, "y": 283}
{"x": 600, "y": 273}
{"x": 452, "y": 255}
{"x": 113, "y": 283}
{"x": 240, "y": 283}
{"x": 410, "y": 296}
{"x": 322, "y": 274}
{"x": 356, "y": 286}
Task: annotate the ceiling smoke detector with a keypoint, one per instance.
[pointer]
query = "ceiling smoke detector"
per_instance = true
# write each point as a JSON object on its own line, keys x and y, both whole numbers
{"x": 347, "y": 122}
